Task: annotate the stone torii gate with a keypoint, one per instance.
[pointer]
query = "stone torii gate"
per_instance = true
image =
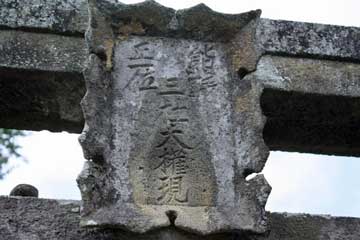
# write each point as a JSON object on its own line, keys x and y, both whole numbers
{"x": 180, "y": 107}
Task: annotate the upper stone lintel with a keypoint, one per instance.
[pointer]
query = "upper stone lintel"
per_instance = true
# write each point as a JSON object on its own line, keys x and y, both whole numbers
{"x": 153, "y": 19}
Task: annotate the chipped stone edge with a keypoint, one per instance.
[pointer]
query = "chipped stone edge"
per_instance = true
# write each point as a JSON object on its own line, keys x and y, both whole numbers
{"x": 101, "y": 38}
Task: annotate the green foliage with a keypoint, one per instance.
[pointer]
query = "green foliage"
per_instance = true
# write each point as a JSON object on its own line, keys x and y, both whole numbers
{"x": 8, "y": 147}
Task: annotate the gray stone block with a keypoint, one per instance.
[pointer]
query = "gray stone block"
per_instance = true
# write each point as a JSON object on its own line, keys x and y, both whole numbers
{"x": 38, "y": 219}
{"x": 171, "y": 130}
{"x": 61, "y": 16}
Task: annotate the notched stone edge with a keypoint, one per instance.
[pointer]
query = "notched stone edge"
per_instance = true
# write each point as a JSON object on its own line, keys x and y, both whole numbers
{"x": 99, "y": 35}
{"x": 252, "y": 150}
{"x": 111, "y": 22}
{"x": 94, "y": 132}
{"x": 152, "y": 19}
{"x": 238, "y": 30}
{"x": 109, "y": 25}
{"x": 201, "y": 22}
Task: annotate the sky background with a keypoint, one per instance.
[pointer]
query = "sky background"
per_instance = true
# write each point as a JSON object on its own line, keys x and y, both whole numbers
{"x": 301, "y": 182}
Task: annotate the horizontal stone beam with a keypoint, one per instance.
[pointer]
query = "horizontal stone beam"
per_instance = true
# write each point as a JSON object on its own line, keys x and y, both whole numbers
{"x": 70, "y": 17}
{"x": 304, "y": 67}
{"x": 309, "y": 40}
{"x": 296, "y": 96}
{"x": 311, "y": 105}
{"x": 51, "y": 16}
{"x": 41, "y": 100}
{"x": 41, "y": 81}
{"x": 32, "y": 218}
{"x": 41, "y": 52}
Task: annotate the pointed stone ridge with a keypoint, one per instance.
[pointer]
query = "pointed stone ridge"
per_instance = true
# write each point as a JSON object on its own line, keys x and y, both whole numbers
{"x": 198, "y": 22}
{"x": 171, "y": 131}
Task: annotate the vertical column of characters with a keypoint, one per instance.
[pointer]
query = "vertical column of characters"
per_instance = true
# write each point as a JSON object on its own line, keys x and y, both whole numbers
{"x": 200, "y": 67}
{"x": 173, "y": 150}
{"x": 142, "y": 65}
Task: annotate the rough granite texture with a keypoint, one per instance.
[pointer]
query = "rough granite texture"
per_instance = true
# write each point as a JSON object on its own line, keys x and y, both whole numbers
{"x": 60, "y": 16}
{"x": 41, "y": 52}
{"x": 311, "y": 104}
{"x": 30, "y": 56}
{"x": 41, "y": 81}
{"x": 58, "y": 86}
{"x": 306, "y": 75}
{"x": 274, "y": 36}
{"x": 39, "y": 219}
{"x": 171, "y": 131}
{"x": 41, "y": 100}
{"x": 309, "y": 40}
{"x": 42, "y": 58}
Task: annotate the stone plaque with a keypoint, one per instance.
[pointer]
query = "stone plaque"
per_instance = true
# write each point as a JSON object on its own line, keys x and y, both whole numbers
{"x": 171, "y": 130}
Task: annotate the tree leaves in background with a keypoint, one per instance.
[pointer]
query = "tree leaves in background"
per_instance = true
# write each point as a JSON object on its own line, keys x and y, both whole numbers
{"x": 9, "y": 148}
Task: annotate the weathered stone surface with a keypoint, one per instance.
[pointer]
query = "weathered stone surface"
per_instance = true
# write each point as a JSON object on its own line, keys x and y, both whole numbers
{"x": 41, "y": 52}
{"x": 309, "y": 40}
{"x": 299, "y": 116}
{"x": 275, "y": 36}
{"x": 171, "y": 131}
{"x": 310, "y": 104}
{"x": 61, "y": 16}
{"x": 323, "y": 77}
{"x": 318, "y": 227}
{"x": 42, "y": 100}
{"x": 152, "y": 19}
{"x": 49, "y": 52}
{"x": 311, "y": 123}
{"x": 37, "y": 219}
{"x": 41, "y": 81}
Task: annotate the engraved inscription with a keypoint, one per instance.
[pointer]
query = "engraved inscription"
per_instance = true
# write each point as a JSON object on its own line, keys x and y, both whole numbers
{"x": 174, "y": 151}
{"x": 142, "y": 66}
{"x": 163, "y": 135}
{"x": 200, "y": 67}
{"x": 173, "y": 168}
{"x": 171, "y": 159}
